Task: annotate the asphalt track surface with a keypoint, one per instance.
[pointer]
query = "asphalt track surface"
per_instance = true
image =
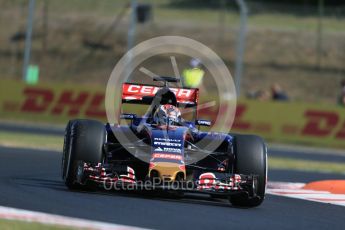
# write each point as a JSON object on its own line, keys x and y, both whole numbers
{"x": 30, "y": 179}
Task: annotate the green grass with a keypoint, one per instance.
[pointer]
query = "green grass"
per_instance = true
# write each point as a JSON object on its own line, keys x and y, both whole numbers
{"x": 305, "y": 165}
{"x": 21, "y": 225}
{"x": 14, "y": 139}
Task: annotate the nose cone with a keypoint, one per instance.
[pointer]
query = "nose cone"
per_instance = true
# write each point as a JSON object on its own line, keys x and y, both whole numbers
{"x": 167, "y": 171}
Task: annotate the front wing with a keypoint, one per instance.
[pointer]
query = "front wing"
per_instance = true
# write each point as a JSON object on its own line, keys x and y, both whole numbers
{"x": 110, "y": 176}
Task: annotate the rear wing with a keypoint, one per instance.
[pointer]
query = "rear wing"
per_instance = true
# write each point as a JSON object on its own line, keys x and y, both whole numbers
{"x": 143, "y": 94}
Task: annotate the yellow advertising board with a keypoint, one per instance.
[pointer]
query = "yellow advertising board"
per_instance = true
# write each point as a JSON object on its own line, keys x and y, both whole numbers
{"x": 50, "y": 103}
{"x": 319, "y": 125}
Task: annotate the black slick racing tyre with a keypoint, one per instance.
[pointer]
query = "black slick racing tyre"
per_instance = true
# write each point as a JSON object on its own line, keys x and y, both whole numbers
{"x": 84, "y": 140}
{"x": 250, "y": 159}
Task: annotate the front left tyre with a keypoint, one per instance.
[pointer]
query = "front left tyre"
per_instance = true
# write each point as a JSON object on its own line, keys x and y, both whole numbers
{"x": 250, "y": 159}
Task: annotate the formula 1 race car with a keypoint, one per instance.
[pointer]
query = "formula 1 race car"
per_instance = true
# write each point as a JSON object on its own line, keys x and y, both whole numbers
{"x": 162, "y": 151}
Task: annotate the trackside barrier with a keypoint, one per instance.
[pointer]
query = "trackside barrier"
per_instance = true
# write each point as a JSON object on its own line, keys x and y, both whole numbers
{"x": 319, "y": 125}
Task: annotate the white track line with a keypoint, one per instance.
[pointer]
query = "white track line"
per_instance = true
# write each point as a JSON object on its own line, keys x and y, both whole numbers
{"x": 44, "y": 218}
{"x": 295, "y": 190}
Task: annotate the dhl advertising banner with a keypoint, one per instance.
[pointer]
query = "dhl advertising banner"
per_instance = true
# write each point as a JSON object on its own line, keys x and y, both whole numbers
{"x": 318, "y": 125}
{"x": 50, "y": 103}
{"x": 308, "y": 124}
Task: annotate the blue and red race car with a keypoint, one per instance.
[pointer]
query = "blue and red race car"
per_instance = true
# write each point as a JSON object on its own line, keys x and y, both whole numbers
{"x": 162, "y": 151}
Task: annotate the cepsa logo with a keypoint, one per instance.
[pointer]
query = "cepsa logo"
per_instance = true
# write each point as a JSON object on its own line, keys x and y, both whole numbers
{"x": 152, "y": 90}
{"x": 137, "y": 92}
{"x": 72, "y": 103}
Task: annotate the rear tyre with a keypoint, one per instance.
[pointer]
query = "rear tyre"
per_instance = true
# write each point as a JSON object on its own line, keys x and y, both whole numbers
{"x": 84, "y": 141}
{"x": 250, "y": 158}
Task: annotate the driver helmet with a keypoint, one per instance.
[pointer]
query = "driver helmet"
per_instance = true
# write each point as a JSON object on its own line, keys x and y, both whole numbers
{"x": 167, "y": 115}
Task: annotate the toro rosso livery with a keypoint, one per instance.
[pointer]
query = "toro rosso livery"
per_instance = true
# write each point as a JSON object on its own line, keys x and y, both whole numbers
{"x": 161, "y": 149}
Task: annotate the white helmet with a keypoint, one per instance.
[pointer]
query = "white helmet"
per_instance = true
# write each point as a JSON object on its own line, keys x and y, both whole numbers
{"x": 167, "y": 114}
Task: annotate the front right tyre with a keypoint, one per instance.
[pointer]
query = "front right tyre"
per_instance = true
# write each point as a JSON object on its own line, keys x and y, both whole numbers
{"x": 83, "y": 142}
